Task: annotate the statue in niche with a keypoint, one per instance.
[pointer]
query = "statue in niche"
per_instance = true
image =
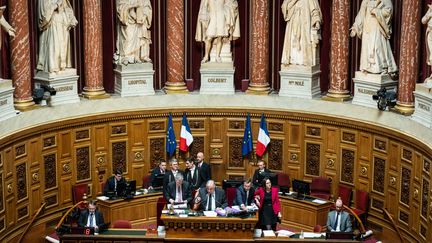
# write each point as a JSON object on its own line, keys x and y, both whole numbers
{"x": 302, "y": 33}
{"x": 5, "y": 25}
{"x": 218, "y": 23}
{"x": 372, "y": 26}
{"x": 56, "y": 19}
{"x": 427, "y": 19}
{"x": 133, "y": 34}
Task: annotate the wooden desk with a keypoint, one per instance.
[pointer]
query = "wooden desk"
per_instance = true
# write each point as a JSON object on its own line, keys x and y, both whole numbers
{"x": 140, "y": 210}
{"x": 209, "y": 227}
{"x": 303, "y": 214}
{"x": 114, "y": 236}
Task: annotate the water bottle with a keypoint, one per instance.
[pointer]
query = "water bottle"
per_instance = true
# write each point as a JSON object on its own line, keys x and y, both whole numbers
{"x": 301, "y": 235}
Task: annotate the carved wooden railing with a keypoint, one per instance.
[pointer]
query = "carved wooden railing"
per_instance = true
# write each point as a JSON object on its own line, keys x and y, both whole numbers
{"x": 394, "y": 224}
{"x": 68, "y": 212}
{"x": 362, "y": 228}
{"x": 39, "y": 211}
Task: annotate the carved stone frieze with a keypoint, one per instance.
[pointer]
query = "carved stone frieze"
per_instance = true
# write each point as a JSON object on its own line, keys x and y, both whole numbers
{"x": 49, "y": 141}
{"x": 21, "y": 183}
{"x": 347, "y": 170}
{"x": 275, "y": 154}
{"x": 348, "y": 137}
{"x": 118, "y": 129}
{"x": 405, "y": 185}
{"x": 157, "y": 151}
{"x": 236, "y": 125}
{"x": 20, "y": 150}
{"x": 313, "y": 152}
{"x": 313, "y": 131}
{"x": 50, "y": 171}
{"x": 83, "y": 163}
{"x": 425, "y": 198}
{"x": 197, "y": 146}
{"x": 83, "y": 134}
{"x": 235, "y": 152}
{"x": 379, "y": 174}
{"x": 407, "y": 154}
{"x": 119, "y": 156}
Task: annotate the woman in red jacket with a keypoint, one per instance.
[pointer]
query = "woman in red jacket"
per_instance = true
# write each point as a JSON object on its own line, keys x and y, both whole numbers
{"x": 267, "y": 199}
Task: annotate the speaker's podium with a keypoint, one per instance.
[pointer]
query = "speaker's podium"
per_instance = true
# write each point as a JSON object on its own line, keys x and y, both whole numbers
{"x": 195, "y": 225}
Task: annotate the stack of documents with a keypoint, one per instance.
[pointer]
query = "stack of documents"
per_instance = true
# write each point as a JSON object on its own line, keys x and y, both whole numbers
{"x": 268, "y": 233}
{"x": 311, "y": 235}
{"x": 102, "y": 198}
{"x": 210, "y": 213}
{"x": 285, "y": 233}
{"x": 319, "y": 201}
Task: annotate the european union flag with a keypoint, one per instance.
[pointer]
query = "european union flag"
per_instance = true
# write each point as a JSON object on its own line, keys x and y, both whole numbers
{"x": 171, "y": 143}
{"x": 247, "y": 138}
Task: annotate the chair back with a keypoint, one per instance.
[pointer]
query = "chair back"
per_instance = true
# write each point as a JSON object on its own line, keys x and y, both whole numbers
{"x": 362, "y": 200}
{"x": 146, "y": 181}
{"x": 159, "y": 207}
{"x": 320, "y": 187}
{"x": 317, "y": 228}
{"x": 78, "y": 192}
{"x": 230, "y": 195}
{"x": 122, "y": 224}
{"x": 283, "y": 179}
{"x": 345, "y": 194}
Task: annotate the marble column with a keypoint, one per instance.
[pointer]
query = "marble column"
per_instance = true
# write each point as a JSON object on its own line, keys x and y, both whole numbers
{"x": 409, "y": 56}
{"x": 20, "y": 53}
{"x": 260, "y": 48}
{"x": 175, "y": 47}
{"x": 339, "y": 52}
{"x": 93, "y": 75}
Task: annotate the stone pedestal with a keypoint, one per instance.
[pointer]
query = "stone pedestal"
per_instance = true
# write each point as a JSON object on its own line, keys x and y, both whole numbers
{"x": 423, "y": 104}
{"x": 300, "y": 81}
{"x": 367, "y": 84}
{"x": 134, "y": 79}
{"x": 217, "y": 78}
{"x": 7, "y": 109}
{"x": 64, "y": 82}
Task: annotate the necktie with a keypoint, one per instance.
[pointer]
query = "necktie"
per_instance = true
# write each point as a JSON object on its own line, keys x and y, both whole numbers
{"x": 91, "y": 220}
{"x": 115, "y": 185}
{"x": 179, "y": 194}
{"x": 247, "y": 197}
{"x": 211, "y": 202}
{"x": 336, "y": 222}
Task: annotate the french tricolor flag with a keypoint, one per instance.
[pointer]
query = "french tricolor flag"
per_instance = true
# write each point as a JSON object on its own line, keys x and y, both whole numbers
{"x": 263, "y": 137}
{"x": 186, "y": 137}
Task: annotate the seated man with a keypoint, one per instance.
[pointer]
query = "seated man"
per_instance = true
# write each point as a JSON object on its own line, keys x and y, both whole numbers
{"x": 339, "y": 220}
{"x": 159, "y": 171}
{"x": 178, "y": 191}
{"x": 91, "y": 217}
{"x": 245, "y": 195}
{"x": 113, "y": 183}
{"x": 170, "y": 174}
{"x": 211, "y": 198}
{"x": 259, "y": 174}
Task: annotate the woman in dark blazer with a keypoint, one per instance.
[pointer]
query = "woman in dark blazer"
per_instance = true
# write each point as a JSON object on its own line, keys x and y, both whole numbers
{"x": 267, "y": 199}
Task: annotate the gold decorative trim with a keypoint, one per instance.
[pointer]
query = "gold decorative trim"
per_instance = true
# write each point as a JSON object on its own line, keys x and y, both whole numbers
{"x": 66, "y": 168}
{"x": 258, "y": 89}
{"x": 9, "y": 188}
{"x": 294, "y": 157}
{"x": 100, "y": 160}
{"x": 337, "y": 96}
{"x": 93, "y": 94}
{"x": 416, "y": 193}
{"x": 330, "y": 163}
{"x": 138, "y": 156}
{"x": 392, "y": 180}
{"x": 176, "y": 88}
{"x": 25, "y": 105}
{"x": 404, "y": 109}
{"x": 363, "y": 171}
{"x": 35, "y": 177}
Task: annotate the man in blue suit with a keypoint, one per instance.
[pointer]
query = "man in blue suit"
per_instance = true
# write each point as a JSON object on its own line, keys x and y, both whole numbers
{"x": 245, "y": 195}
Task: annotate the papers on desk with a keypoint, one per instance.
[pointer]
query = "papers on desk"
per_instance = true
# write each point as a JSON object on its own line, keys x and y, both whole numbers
{"x": 210, "y": 213}
{"x": 319, "y": 201}
{"x": 178, "y": 206}
{"x": 285, "y": 233}
{"x": 269, "y": 233}
{"x": 311, "y": 235}
{"x": 102, "y": 198}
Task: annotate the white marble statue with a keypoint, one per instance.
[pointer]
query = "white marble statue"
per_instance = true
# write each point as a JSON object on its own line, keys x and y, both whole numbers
{"x": 302, "y": 33}
{"x": 218, "y": 21}
{"x": 134, "y": 19}
{"x": 5, "y": 25}
{"x": 56, "y": 19}
{"x": 427, "y": 19}
{"x": 372, "y": 26}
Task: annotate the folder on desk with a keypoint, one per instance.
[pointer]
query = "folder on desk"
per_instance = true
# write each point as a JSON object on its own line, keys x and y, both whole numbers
{"x": 269, "y": 233}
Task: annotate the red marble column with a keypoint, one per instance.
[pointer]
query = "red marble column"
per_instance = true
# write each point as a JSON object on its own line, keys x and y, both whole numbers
{"x": 93, "y": 73}
{"x": 175, "y": 47}
{"x": 260, "y": 48}
{"x": 339, "y": 52}
{"x": 409, "y": 56}
{"x": 20, "y": 53}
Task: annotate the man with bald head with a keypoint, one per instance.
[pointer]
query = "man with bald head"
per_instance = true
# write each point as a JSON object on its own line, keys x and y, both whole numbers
{"x": 211, "y": 197}
{"x": 339, "y": 220}
{"x": 203, "y": 168}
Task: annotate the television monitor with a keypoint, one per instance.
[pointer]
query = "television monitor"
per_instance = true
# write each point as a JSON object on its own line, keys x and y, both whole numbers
{"x": 126, "y": 190}
{"x": 301, "y": 187}
{"x": 231, "y": 183}
{"x": 158, "y": 181}
{"x": 272, "y": 176}
{"x": 284, "y": 189}
{"x": 339, "y": 235}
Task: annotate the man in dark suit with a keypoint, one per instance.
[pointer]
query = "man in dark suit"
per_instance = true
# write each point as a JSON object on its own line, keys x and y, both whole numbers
{"x": 204, "y": 168}
{"x": 259, "y": 174}
{"x": 245, "y": 195}
{"x": 193, "y": 175}
{"x": 114, "y": 183}
{"x": 170, "y": 174}
{"x": 160, "y": 170}
{"x": 211, "y": 197}
{"x": 92, "y": 217}
{"x": 178, "y": 191}
{"x": 339, "y": 220}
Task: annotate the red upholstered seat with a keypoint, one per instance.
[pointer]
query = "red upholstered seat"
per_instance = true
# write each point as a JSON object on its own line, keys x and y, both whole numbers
{"x": 230, "y": 195}
{"x": 283, "y": 179}
{"x": 79, "y": 190}
{"x": 345, "y": 194}
{"x": 122, "y": 224}
{"x": 146, "y": 181}
{"x": 320, "y": 187}
{"x": 159, "y": 207}
{"x": 361, "y": 204}
{"x": 317, "y": 228}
